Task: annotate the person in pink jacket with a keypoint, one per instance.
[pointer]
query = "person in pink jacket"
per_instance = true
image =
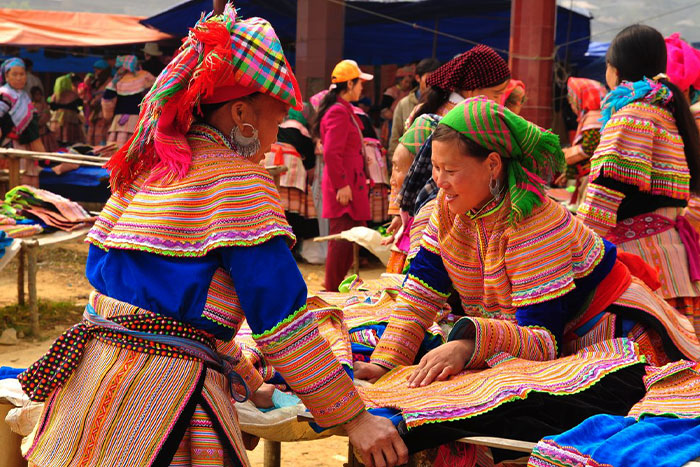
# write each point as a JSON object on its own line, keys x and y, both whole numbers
{"x": 344, "y": 183}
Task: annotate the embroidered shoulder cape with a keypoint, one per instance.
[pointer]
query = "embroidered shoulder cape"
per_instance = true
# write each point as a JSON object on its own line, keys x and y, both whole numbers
{"x": 640, "y": 146}
{"x": 224, "y": 200}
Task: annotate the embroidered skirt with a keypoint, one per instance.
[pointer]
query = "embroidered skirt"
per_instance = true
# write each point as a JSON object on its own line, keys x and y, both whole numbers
{"x": 131, "y": 404}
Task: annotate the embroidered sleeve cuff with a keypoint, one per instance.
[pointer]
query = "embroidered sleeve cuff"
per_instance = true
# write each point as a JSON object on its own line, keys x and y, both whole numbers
{"x": 599, "y": 208}
{"x": 296, "y": 349}
{"x": 492, "y": 336}
{"x": 243, "y": 366}
{"x": 415, "y": 311}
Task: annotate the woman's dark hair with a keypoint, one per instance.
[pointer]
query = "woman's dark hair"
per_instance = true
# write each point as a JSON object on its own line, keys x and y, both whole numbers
{"x": 430, "y": 102}
{"x": 444, "y": 134}
{"x": 326, "y": 103}
{"x": 639, "y": 51}
{"x": 206, "y": 110}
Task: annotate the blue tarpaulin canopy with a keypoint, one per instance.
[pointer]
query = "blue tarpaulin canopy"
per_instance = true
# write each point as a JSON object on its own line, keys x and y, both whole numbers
{"x": 371, "y": 39}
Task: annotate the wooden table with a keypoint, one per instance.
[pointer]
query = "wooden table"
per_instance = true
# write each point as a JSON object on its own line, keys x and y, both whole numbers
{"x": 28, "y": 250}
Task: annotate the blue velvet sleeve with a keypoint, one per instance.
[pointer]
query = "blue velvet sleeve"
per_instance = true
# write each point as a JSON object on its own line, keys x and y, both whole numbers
{"x": 268, "y": 282}
{"x": 429, "y": 268}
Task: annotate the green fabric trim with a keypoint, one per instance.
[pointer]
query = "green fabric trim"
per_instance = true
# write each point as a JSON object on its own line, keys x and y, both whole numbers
{"x": 281, "y": 324}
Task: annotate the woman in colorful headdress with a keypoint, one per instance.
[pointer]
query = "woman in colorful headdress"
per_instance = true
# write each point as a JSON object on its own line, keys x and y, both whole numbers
{"x": 585, "y": 96}
{"x": 122, "y": 96}
{"x": 19, "y": 123}
{"x": 478, "y": 72}
{"x": 533, "y": 280}
{"x": 67, "y": 118}
{"x": 646, "y": 167}
{"x": 410, "y": 143}
{"x": 192, "y": 241}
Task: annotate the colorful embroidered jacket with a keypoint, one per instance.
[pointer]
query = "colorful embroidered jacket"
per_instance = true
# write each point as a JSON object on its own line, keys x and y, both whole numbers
{"x": 211, "y": 250}
{"x": 639, "y": 166}
{"x": 519, "y": 283}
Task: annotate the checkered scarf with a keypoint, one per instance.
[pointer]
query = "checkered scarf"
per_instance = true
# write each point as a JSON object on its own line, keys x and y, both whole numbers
{"x": 534, "y": 153}
{"x": 422, "y": 127}
{"x": 221, "y": 51}
{"x": 419, "y": 180}
{"x": 585, "y": 95}
{"x": 478, "y": 68}
{"x": 128, "y": 62}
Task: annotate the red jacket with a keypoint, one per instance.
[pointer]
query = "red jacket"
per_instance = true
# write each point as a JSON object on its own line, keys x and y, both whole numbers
{"x": 344, "y": 163}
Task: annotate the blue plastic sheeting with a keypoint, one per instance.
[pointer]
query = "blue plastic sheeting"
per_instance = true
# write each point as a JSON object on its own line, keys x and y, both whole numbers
{"x": 592, "y": 64}
{"x": 82, "y": 176}
{"x": 65, "y": 64}
{"x": 371, "y": 40}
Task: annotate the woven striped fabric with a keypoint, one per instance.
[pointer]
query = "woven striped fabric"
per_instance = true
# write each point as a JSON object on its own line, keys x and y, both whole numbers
{"x": 224, "y": 200}
{"x": 139, "y": 395}
{"x": 640, "y": 146}
{"x": 599, "y": 208}
{"x": 672, "y": 391}
{"x": 133, "y": 83}
{"x": 420, "y": 222}
{"x": 474, "y": 392}
{"x": 666, "y": 252}
{"x": 678, "y": 327}
{"x": 494, "y": 335}
{"x": 287, "y": 155}
{"x": 496, "y": 267}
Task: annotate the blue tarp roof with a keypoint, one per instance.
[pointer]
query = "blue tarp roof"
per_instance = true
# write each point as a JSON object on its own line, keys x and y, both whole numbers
{"x": 372, "y": 40}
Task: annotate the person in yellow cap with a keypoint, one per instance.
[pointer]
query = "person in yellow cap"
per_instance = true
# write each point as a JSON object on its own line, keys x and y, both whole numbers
{"x": 345, "y": 194}
{"x": 149, "y": 376}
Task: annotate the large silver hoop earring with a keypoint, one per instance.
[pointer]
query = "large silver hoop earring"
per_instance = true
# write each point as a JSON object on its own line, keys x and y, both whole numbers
{"x": 246, "y": 146}
{"x": 494, "y": 186}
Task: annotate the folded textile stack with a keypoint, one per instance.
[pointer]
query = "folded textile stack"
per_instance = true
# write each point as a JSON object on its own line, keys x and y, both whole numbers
{"x": 18, "y": 228}
{"x": 26, "y": 202}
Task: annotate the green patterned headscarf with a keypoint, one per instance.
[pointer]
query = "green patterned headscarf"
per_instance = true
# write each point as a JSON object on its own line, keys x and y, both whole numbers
{"x": 298, "y": 116}
{"x": 422, "y": 127}
{"x": 61, "y": 85}
{"x": 535, "y": 154}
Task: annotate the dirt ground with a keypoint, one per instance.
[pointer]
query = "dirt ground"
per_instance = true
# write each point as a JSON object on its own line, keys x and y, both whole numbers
{"x": 61, "y": 281}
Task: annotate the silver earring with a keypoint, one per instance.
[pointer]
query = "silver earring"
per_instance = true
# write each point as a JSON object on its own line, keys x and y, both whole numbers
{"x": 246, "y": 146}
{"x": 494, "y": 187}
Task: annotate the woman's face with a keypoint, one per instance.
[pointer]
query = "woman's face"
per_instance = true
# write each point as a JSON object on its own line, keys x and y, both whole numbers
{"x": 515, "y": 100}
{"x": 400, "y": 163}
{"x": 355, "y": 90}
{"x": 16, "y": 77}
{"x": 612, "y": 77}
{"x": 269, "y": 113}
{"x": 493, "y": 93}
{"x": 464, "y": 178}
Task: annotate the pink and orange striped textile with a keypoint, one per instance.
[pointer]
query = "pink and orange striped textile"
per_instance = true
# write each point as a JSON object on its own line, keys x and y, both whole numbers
{"x": 224, "y": 200}
{"x": 507, "y": 378}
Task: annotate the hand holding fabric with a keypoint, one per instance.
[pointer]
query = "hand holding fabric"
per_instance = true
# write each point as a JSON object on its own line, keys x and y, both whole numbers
{"x": 442, "y": 362}
{"x": 368, "y": 371}
{"x": 262, "y": 398}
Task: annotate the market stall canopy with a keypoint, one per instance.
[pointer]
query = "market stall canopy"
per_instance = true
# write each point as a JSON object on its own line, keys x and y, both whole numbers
{"x": 371, "y": 38}
{"x": 70, "y": 29}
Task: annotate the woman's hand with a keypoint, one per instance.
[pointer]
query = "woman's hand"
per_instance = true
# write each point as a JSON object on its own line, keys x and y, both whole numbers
{"x": 442, "y": 362}
{"x": 368, "y": 371}
{"x": 392, "y": 229}
{"x": 344, "y": 195}
{"x": 377, "y": 441}
{"x": 262, "y": 398}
